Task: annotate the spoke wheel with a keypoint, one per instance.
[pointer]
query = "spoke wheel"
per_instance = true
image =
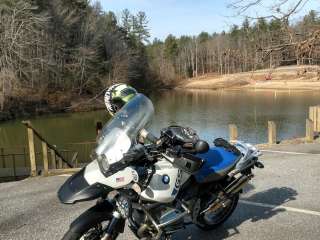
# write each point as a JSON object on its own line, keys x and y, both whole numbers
{"x": 93, "y": 233}
{"x": 212, "y": 220}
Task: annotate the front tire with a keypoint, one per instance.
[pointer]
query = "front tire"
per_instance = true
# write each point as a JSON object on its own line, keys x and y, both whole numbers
{"x": 70, "y": 235}
{"x": 89, "y": 225}
{"x": 87, "y": 233}
{"x": 205, "y": 223}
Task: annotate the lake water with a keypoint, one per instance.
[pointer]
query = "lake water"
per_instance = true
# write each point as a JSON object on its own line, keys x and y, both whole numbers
{"x": 208, "y": 112}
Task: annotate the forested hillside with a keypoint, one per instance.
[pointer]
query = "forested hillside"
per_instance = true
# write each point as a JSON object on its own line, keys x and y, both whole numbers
{"x": 255, "y": 44}
{"x": 50, "y": 46}
{"x": 54, "y": 50}
{"x": 70, "y": 44}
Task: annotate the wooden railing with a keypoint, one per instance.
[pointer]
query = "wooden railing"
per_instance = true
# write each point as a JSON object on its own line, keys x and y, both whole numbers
{"x": 15, "y": 164}
{"x": 312, "y": 127}
{"x": 23, "y": 161}
{"x": 13, "y": 168}
{"x": 54, "y": 160}
{"x": 55, "y": 154}
{"x": 314, "y": 116}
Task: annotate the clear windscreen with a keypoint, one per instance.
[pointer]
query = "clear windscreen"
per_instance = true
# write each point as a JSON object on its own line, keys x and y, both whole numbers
{"x": 118, "y": 135}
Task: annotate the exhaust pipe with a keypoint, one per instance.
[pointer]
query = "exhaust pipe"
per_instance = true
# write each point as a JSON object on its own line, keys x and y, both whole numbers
{"x": 234, "y": 187}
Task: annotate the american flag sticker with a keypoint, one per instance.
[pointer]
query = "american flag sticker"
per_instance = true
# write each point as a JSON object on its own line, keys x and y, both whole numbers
{"x": 120, "y": 179}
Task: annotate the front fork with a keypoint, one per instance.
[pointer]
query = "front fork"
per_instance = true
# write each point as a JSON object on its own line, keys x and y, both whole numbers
{"x": 115, "y": 226}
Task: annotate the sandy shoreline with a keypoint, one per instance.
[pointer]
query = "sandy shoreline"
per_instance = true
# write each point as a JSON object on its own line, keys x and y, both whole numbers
{"x": 282, "y": 78}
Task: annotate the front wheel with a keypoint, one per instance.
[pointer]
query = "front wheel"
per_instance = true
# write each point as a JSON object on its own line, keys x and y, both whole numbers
{"x": 87, "y": 233}
{"x": 92, "y": 224}
{"x": 210, "y": 221}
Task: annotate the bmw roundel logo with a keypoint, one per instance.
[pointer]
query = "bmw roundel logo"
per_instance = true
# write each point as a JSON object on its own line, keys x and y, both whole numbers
{"x": 165, "y": 179}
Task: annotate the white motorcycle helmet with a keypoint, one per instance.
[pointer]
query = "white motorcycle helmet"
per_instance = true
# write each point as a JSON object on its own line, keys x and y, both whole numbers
{"x": 117, "y": 96}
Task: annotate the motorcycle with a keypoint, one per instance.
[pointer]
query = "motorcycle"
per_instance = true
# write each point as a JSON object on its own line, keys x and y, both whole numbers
{"x": 156, "y": 185}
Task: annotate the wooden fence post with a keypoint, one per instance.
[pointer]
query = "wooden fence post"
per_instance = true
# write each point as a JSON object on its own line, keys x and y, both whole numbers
{"x": 33, "y": 166}
{"x": 25, "y": 157}
{"x": 313, "y": 116}
{"x": 272, "y": 132}
{"x": 45, "y": 158}
{"x": 53, "y": 159}
{"x": 311, "y": 113}
{"x": 75, "y": 159}
{"x": 14, "y": 166}
{"x": 3, "y": 158}
{"x": 59, "y": 162}
{"x": 233, "y": 132}
{"x": 34, "y": 131}
{"x": 318, "y": 118}
{"x": 309, "y": 130}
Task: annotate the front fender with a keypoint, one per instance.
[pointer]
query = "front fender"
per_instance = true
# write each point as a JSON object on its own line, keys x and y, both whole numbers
{"x": 77, "y": 189}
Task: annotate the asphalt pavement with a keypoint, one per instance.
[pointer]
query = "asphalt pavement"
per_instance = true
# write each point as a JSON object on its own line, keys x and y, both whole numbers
{"x": 281, "y": 202}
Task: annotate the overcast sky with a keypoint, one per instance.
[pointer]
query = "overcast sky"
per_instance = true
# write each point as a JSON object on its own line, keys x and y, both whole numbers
{"x": 189, "y": 17}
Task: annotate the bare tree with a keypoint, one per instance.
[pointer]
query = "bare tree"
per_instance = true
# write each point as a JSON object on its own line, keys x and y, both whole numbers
{"x": 21, "y": 44}
{"x": 279, "y": 9}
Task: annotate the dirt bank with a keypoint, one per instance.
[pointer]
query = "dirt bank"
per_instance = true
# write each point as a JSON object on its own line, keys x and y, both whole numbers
{"x": 282, "y": 78}
{"x": 28, "y": 103}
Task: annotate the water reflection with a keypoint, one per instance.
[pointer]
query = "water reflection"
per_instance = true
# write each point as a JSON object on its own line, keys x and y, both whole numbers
{"x": 208, "y": 112}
